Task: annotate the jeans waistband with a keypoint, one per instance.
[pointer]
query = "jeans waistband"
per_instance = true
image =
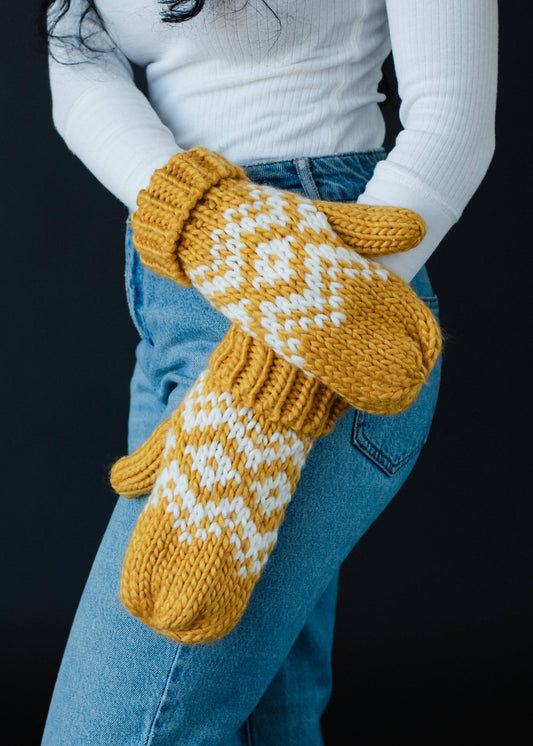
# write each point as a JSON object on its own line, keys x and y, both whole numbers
{"x": 340, "y": 177}
{"x": 317, "y": 159}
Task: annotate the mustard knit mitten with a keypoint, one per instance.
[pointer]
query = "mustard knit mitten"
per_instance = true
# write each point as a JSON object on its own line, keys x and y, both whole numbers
{"x": 278, "y": 266}
{"x": 223, "y": 470}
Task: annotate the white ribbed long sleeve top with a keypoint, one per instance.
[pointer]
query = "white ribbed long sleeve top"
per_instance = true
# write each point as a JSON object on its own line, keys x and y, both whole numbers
{"x": 257, "y": 86}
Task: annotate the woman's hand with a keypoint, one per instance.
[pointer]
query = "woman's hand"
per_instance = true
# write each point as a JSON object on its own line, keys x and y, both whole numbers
{"x": 278, "y": 265}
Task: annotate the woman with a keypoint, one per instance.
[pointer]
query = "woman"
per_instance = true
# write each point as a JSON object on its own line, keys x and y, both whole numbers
{"x": 288, "y": 91}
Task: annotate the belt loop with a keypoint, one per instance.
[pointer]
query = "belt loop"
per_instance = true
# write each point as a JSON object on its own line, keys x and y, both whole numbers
{"x": 306, "y": 177}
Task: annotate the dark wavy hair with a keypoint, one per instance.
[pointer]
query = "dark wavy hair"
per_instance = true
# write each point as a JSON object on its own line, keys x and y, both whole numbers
{"x": 173, "y": 11}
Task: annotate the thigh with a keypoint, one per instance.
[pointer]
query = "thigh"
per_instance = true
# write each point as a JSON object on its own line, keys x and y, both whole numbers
{"x": 290, "y": 710}
{"x": 124, "y": 684}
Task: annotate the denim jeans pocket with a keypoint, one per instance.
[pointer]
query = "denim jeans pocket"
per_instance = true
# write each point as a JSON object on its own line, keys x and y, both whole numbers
{"x": 393, "y": 441}
{"x": 134, "y": 284}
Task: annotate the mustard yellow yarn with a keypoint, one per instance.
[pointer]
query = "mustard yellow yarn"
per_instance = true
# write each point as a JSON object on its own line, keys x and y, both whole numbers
{"x": 316, "y": 325}
{"x": 285, "y": 269}
{"x": 221, "y": 480}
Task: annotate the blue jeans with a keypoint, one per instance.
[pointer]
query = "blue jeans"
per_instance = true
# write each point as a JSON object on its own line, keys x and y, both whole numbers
{"x": 269, "y": 680}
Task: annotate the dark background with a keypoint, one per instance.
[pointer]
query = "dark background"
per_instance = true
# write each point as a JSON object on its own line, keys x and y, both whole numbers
{"x": 433, "y": 633}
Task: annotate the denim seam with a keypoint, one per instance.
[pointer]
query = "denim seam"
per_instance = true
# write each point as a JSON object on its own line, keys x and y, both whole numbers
{"x": 139, "y": 297}
{"x": 151, "y": 733}
{"x": 306, "y": 178}
{"x": 249, "y": 731}
{"x": 431, "y": 302}
{"x": 135, "y": 281}
{"x": 128, "y": 277}
{"x": 361, "y": 441}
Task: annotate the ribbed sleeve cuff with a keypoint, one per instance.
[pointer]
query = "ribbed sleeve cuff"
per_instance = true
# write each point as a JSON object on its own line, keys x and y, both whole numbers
{"x": 385, "y": 188}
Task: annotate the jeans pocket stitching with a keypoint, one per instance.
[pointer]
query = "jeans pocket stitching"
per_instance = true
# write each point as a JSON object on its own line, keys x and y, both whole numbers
{"x": 431, "y": 302}
{"x": 366, "y": 445}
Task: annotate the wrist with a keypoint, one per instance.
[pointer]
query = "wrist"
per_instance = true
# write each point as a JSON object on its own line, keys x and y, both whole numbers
{"x": 164, "y": 207}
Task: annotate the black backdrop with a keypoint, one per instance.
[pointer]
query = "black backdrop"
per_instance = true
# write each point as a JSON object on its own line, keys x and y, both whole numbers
{"x": 432, "y": 639}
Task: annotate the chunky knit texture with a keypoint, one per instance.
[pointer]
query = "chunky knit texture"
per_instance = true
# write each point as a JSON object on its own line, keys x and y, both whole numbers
{"x": 222, "y": 472}
{"x": 316, "y": 326}
{"x": 277, "y": 265}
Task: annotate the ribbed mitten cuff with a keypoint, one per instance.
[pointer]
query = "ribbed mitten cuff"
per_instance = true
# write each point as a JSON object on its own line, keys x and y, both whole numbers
{"x": 165, "y": 206}
{"x": 264, "y": 381}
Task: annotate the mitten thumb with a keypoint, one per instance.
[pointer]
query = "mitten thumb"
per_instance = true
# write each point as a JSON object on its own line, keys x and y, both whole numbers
{"x": 374, "y": 230}
{"x": 134, "y": 475}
